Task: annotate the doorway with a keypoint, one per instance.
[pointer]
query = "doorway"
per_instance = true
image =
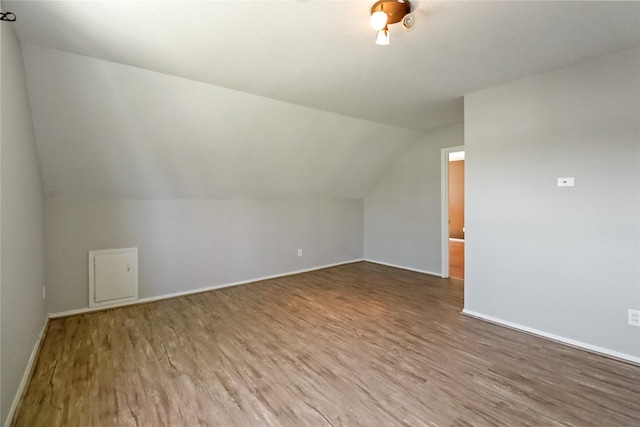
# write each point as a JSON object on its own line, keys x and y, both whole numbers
{"x": 453, "y": 229}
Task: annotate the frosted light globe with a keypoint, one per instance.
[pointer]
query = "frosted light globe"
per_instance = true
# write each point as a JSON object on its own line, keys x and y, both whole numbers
{"x": 378, "y": 20}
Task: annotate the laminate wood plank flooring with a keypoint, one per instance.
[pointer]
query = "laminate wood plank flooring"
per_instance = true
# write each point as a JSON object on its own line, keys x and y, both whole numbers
{"x": 456, "y": 259}
{"x": 354, "y": 345}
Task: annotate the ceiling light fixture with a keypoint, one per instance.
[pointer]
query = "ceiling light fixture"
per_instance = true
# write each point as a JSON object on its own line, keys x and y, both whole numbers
{"x": 386, "y": 12}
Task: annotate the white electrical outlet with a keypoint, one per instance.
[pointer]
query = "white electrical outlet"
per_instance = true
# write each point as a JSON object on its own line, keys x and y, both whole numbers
{"x": 299, "y": 252}
{"x": 634, "y": 317}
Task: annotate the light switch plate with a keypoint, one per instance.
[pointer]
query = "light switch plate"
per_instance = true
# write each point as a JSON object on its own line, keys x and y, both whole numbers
{"x": 634, "y": 317}
{"x": 566, "y": 182}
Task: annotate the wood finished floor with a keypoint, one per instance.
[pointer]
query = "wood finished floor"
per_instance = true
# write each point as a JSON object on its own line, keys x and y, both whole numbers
{"x": 355, "y": 345}
{"x": 456, "y": 259}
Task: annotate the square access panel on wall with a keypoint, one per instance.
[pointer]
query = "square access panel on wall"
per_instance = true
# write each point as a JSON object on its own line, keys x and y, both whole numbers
{"x": 113, "y": 276}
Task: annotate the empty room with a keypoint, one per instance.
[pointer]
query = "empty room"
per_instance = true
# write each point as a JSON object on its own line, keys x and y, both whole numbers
{"x": 239, "y": 213}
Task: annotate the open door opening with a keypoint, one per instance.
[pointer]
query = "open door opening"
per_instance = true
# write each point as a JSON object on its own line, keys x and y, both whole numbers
{"x": 452, "y": 199}
{"x": 456, "y": 214}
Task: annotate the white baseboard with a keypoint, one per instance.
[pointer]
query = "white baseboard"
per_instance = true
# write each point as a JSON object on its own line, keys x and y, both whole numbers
{"x": 557, "y": 338}
{"x": 25, "y": 376}
{"x": 196, "y": 291}
{"x": 431, "y": 273}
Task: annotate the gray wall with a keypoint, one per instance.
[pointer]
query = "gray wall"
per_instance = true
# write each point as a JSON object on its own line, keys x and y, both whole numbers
{"x": 130, "y": 133}
{"x": 402, "y": 211}
{"x": 23, "y": 312}
{"x": 564, "y": 261}
{"x": 189, "y": 244}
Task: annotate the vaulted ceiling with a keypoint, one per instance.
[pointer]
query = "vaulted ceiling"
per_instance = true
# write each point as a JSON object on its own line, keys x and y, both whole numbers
{"x": 272, "y": 99}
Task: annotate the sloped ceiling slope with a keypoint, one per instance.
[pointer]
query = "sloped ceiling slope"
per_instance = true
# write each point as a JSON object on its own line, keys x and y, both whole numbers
{"x": 106, "y": 130}
{"x": 209, "y": 99}
{"x": 321, "y": 54}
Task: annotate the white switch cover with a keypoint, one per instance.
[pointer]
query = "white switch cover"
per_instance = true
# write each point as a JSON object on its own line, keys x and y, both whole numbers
{"x": 634, "y": 317}
{"x": 566, "y": 182}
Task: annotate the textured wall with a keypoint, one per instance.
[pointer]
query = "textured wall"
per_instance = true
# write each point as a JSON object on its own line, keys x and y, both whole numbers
{"x": 402, "y": 211}
{"x": 109, "y": 131}
{"x": 562, "y": 260}
{"x": 23, "y": 310}
{"x": 189, "y": 244}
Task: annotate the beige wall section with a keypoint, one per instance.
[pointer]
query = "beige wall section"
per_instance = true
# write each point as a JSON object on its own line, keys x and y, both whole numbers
{"x": 402, "y": 211}
{"x": 563, "y": 261}
{"x": 190, "y": 244}
{"x": 23, "y": 310}
{"x": 456, "y": 199}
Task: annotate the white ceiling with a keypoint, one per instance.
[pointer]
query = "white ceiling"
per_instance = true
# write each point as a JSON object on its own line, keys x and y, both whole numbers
{"x": 203, "y": 99}
{"x": 321, "y": 54}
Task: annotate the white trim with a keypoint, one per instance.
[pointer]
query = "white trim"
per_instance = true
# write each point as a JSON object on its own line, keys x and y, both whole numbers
{"x": 453, "y": 239}
{"x": 196, "y": 291}
{"x": 25, "y": 376}
{"x": 431, "y": 273}
{"x": 557, "y": 338}
{"x": 444, "y": 206}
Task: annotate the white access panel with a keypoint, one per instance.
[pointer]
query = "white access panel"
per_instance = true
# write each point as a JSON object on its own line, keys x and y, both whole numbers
{"x": 113, "y": 276}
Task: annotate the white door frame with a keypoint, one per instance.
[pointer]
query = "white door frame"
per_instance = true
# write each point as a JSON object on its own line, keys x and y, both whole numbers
{"x": 444, "y": 200}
